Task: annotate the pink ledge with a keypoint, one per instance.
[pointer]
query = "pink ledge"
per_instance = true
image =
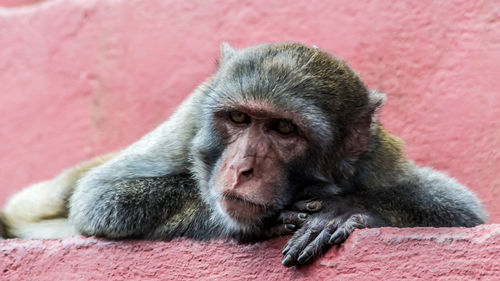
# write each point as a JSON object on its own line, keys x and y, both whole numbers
{"x": 370, "y": 254}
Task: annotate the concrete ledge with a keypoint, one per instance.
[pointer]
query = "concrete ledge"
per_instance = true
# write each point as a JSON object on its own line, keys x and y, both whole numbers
{"x": 370, "y": 254}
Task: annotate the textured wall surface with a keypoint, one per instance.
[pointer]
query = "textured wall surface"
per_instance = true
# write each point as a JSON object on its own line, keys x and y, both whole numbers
{"x": 80, "y": 78}
{"x": 387, "y": 254}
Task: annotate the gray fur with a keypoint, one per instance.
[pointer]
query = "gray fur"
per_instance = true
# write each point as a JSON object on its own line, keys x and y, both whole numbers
{"x": 160, "y": 186}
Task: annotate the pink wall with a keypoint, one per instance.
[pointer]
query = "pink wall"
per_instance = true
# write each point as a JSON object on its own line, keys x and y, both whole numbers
{"x": 83, "y": 77}
{"x": 387, "y": 254}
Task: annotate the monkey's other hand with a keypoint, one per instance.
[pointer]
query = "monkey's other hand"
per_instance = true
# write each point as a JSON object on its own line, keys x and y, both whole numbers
{"x": 319, "y": 233}
{"x": 290, "y": 220}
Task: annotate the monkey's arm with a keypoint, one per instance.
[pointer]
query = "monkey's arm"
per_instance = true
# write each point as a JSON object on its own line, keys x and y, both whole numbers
{"x": 423, "y": 197}
{"x": 406, "y": 195}
{"x": 143, "y": 207}
{"x": 140, "y": 205}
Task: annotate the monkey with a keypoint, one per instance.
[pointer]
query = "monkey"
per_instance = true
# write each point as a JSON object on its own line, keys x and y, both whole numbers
{"x": 283, "y": 138}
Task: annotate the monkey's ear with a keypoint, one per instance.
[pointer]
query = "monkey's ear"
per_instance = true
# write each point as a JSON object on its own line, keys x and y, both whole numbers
{"x": 358, "y": 136}
{"x": 376, "y": 101}
{"x": 226, "y": 52}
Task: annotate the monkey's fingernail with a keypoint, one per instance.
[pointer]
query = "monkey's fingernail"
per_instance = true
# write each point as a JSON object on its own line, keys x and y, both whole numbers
{"x": 338, "y": 240}
{"x": 335, "y": 239}
{"x": 285, "y": 250}
{"x": 332, "y": 240}
{"x": 304, "y": 258}
{"x": 287, "y": 261}
{"x": 290, "y": 226}
{"x": 302, "y": 216}
{"x": 312, "y": 206}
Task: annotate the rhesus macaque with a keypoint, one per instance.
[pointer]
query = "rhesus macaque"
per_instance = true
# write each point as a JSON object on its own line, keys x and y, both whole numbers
{"x": 282, "y": 137}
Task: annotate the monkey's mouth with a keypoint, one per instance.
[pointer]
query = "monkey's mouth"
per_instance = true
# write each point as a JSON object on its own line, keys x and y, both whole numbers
{"x": 238, "y": 207}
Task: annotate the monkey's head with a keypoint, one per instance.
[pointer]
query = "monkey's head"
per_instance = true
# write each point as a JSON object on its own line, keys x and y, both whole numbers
{"x": 276, "y": 118}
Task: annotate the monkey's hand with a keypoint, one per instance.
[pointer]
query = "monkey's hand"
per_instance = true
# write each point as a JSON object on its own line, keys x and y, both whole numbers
{"x": 320, "y": 231}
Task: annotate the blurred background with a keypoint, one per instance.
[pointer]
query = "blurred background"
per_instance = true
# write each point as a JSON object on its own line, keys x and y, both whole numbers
{"x": 79, "y": 78}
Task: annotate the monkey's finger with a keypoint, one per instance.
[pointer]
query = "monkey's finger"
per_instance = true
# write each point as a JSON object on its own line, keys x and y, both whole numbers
{"x": 308, "y": 206}
{"x": 315, "y": 248}
{"x": 292, "y": 217}
{"x": 344, "y": 230}
{"x": 319, "y": 245}
{"x": 299, "y": 233}
{"x": 339, "y": 236}
{"x": 296, "y": 247}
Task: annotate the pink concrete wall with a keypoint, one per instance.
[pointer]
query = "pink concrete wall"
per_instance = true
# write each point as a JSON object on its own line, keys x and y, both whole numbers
{"x": 387, "y": 254}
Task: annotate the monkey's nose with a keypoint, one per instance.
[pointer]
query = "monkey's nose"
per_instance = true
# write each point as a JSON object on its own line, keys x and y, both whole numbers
{"x": 242, "y": 175}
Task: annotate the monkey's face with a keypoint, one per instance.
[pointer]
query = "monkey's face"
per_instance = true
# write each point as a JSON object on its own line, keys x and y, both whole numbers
{"x": 250, "y": 178}
{"x": 274, "y": 118}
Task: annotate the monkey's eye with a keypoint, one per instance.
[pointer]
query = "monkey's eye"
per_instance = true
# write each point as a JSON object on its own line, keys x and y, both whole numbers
{"x": 284, "y": 127}
{"x": 239, "y": 117}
